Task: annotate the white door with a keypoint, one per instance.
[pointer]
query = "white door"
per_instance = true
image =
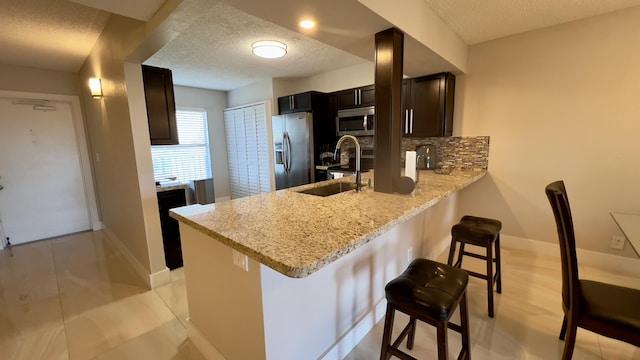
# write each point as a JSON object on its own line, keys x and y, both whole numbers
{"x": 43, "y": 190}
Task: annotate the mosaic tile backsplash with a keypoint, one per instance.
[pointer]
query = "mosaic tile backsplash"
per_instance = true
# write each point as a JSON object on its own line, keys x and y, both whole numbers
{"x": 462, "y": 153}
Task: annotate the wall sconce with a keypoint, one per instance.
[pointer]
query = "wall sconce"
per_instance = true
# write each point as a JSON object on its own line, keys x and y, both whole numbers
{"x": 96, "y": 88}
{"x": 269, "y": 49}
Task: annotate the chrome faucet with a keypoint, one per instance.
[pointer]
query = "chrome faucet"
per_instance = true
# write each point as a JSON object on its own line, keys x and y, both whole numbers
{"x": 335, "y": 155}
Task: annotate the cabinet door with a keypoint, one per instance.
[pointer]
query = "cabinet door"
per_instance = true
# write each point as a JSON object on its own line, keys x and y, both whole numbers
{"x": 357, "y": 97}
{"x": 170, "y": 229}
{"x": 427, "y": 105}
{"x": 368, "y": 95}
{"x": 346, "y": 99}
{"x": 161, "y": 106}
{"x": 295, "y": 103}
{"x": 450, "y": 89}
{"x": 284, "y": 105}
{"x": 405, "y": 105}
{"x": 302, "y": 102}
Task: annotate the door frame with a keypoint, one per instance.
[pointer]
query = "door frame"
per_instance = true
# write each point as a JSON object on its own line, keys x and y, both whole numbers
{"x": 81, "y": 143}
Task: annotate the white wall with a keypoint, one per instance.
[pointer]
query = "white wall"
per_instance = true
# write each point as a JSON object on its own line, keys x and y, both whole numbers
{"x": 345, "y": 78}
{"x": 214, "y": 102}
{"x": 416, "y": 19}
{"x": 18, "y": 78}
{"x": 558, "y": 103}
{"x": 119, "y": 139}
{"x": 256, "y": 92}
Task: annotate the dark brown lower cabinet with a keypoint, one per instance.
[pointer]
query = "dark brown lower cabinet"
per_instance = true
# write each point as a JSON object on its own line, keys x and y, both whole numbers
{"x": 170, "y": 230}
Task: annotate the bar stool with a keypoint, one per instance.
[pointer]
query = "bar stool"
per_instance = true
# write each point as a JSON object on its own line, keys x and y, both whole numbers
{"x": 430, "y": 292}
{"x": 482, "y": 232}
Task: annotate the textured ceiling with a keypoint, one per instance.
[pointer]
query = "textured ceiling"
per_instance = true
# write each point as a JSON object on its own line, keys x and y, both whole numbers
{"x": 48, "y": 34}
{"x": 135, "y": 9}
{"x": 214, "y": 52}
{"x": 477, "y": 21}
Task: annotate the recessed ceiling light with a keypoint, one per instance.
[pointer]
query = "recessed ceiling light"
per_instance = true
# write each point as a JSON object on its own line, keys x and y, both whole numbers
{"x": 307, "y": 24}
{"x": 269, "y": 49}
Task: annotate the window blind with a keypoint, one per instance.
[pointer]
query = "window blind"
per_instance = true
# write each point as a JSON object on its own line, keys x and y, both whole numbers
{"x": 190, "y": 159}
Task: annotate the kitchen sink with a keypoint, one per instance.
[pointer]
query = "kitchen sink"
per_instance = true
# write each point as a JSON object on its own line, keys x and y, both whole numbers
{"x": 330, "y": 189}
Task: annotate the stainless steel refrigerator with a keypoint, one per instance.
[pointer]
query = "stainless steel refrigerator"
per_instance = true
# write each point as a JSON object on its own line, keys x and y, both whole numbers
{"x": 293, "y": 145}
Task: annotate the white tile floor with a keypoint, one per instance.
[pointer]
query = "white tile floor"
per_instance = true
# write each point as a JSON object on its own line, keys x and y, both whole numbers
{"x": 75, "y": 297}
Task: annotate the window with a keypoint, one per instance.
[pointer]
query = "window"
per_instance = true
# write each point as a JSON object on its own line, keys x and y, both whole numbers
{"x": 190, "y": 159}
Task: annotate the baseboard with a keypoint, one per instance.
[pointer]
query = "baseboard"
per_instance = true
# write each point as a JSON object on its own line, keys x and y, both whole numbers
{"x": 160, "y": 278}
{"x": 201, "y": 343}
{"x": 152, "y": 280}
{"x": 619, "y": 264}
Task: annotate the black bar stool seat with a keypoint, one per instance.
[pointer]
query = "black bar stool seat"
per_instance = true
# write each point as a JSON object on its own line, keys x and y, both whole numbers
{"x": 430, "y": 292}
{"x": 485, "y": 233}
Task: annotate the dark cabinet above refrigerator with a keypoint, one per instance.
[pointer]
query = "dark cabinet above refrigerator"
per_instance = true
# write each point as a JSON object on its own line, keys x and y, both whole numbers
{"x": 302, "y": 102}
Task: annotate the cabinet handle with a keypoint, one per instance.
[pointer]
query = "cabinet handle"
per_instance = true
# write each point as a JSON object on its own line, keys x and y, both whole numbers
{"x": 355, "y": 96}
{"x": 411, "y": 122}
{"x": 359, "y": 96}
{"x": 406, "y": 121}
{"x": 364, "y": 122}
{"x": 292, "y": 103}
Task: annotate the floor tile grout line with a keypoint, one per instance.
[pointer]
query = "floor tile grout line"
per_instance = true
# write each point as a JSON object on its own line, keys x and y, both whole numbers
{"x": 63, "y": 318}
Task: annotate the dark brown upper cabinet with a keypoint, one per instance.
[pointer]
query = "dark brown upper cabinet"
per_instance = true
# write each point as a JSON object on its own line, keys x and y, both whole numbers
{"x": 161, "y": 105}
{"x": 356, "y": 97}
{"x": 302, "y": 102}
{"x": 318, "y": 103}
{"x": 427, "y": 105}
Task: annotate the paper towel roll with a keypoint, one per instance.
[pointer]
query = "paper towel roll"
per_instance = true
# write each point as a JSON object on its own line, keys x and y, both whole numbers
{"x": 410, "y": 165}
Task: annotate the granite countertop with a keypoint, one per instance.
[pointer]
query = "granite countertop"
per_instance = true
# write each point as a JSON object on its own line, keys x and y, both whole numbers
{"x": 297, "y": 234}
{"x": 180, "y": 186}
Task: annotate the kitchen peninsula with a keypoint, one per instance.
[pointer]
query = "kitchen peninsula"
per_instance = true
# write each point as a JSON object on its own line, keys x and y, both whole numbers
{"x": 317, "y": 266}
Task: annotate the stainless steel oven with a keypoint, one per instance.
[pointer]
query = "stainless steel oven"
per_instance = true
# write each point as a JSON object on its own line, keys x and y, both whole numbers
{"x": 356, "y": 122}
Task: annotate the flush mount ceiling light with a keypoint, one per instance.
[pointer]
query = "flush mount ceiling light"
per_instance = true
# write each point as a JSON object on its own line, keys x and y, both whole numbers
{"x": 307, "y": 24}
{"x": 269, "y": 49}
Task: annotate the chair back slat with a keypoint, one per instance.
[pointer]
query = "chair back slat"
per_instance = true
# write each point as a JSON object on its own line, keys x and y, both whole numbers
{"x": 557, "y": 195}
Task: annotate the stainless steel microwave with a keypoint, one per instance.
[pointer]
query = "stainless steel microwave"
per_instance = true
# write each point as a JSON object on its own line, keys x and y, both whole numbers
{"x": 357, "y": 122}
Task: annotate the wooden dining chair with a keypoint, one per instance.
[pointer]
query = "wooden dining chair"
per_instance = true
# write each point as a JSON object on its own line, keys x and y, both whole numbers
{"x": 609, "y": 310}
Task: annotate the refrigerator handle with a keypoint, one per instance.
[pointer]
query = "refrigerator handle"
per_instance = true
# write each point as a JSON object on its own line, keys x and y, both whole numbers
{"x": 287, "y": 153}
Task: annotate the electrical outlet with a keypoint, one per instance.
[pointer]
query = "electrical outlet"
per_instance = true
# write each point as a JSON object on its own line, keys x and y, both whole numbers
{"x": 410, "y": 254}
{"x": 617, "y": 242}
{"x": 240, "y": 260}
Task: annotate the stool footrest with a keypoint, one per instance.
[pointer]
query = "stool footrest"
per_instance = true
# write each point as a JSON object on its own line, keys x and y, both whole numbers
{"x": 399, "y": 354}
{"x": 403, "y": 334}
{"x": 478, "y": 275}
{"x": 477, "y": 256}
{"x": 393, "y": 348}
{"x": 482, "y": 276}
